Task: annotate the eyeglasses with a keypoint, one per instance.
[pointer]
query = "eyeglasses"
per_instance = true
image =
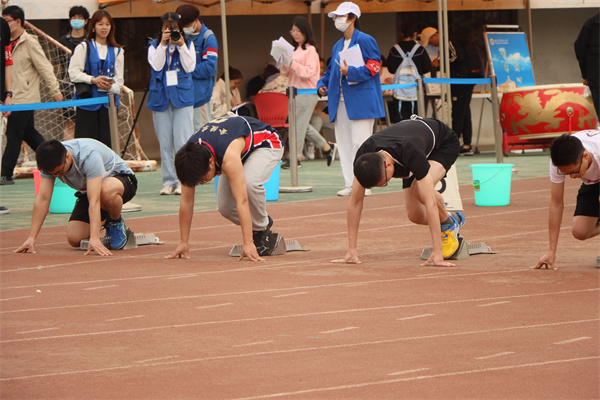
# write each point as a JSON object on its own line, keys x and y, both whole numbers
{"x": 9, "y": 20}
{"x": 295, "y": 31}
{"x": 385, "y": 173}
{"x": 574, "y": 172}
{"x": 61, "y": 170}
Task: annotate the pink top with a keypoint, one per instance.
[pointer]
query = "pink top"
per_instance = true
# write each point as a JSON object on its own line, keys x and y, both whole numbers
{"x": 303, "y": 72}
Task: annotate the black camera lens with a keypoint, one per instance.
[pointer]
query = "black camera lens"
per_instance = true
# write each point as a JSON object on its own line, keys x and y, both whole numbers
{"x": 175, "y": 35}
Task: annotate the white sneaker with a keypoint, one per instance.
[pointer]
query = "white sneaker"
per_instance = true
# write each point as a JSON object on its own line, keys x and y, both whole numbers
{"x": 367, "y": 192}
{"x": 345, "y": 192}
{"x": 167, "y": 190}
{"x": 177, "y": 190}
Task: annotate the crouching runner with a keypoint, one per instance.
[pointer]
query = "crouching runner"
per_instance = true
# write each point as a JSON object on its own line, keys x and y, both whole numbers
{"x": 243, "y": 152}
{"x": 420, "y": 151}
{"x": 104, "y": 183}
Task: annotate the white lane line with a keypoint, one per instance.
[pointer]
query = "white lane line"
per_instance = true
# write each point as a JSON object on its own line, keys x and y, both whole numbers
{"x": 340, "y": 330}
{"x": 432, "y": 274}
{"x": 101, "y": 287}
{"x": 573, "y": 340}
{"x": 492, "y": 304}
{"x": 415, "y": 378}
{"x": 181, "y": 276}
{"x": 16, "y": 298}
{"x": 152, "y": 360}
{"x": 37, "y": 330}
{"x": 415, "y": 316}
{"x": 124, "y": 318}
{"x": 506, "y": 353}
{"x": 409, "y": 371}
{"x": 253, "y": 344}
{"x": 214, "y": 305}
{"x": 290, "y": 294}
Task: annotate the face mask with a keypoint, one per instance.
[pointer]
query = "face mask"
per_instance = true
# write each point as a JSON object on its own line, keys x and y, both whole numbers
{"x": 77, "y": 24}
{"x": 190, "y": 29}
{"x": 341, "y": 24}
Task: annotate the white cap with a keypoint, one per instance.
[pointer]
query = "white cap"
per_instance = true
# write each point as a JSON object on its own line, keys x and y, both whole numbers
{"x": 346, "y": 7}
{"x": 426, "y": 34}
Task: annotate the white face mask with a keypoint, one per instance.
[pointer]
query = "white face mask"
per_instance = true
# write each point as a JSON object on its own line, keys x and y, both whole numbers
{"x": 341, "y": 24}
{"x": 190, "y": 29}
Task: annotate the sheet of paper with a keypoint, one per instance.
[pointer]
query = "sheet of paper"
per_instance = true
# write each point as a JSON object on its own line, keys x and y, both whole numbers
{"x": 352, "y": 56}
{"x": 280, "y": 47}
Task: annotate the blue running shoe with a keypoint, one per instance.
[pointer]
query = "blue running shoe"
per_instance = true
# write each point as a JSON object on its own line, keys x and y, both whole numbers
{"x": 118, "y": 235}
{"x": 459, "y": 218}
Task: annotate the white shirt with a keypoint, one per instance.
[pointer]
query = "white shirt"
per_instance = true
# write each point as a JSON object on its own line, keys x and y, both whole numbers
{"x": 590, "y": 139}
{"x": 157, "y": 56}
{"x": 77, "y": 66}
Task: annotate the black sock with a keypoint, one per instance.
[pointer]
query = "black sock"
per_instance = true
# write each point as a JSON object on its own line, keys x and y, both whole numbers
{"x": 448, "y": 221}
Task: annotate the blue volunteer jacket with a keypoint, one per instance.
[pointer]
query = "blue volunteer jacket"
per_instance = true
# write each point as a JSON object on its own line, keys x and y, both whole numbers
{"x": 95, "y": 68}
{"x": 207, "y": 53}
{"x": 363, "y": 100}
{"x": 180, "y": 95}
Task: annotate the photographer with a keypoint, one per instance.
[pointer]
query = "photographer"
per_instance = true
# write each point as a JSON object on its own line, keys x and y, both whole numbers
{"x": 96, "y": 68}
{"x": 171, "y": 96}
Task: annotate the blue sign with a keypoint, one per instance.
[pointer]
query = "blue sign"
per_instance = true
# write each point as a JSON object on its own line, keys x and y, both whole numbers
{"x": 510, "y": 59}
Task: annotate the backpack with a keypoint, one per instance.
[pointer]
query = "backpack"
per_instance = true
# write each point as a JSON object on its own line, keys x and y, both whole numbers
{"x": 406, "y": 73}
{"x": 473, "y": 59}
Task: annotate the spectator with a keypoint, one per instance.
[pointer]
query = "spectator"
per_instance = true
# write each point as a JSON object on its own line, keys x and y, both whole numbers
{"x": 587, "y": 51}
{"x": 302, "y": 70}
{"x": 5, "y": 80}
{"x": 78, "y": 19}
{"x": 104, "y": 182}
{"x": 207, "y": 53}
{"x": 257, "y": 83}
{"x": 407, "y": 42}
{"x": 219, "y": 98}
{"x": 98, "y": 61}
{"x": 355, "y": 106}
{"x": 171, "y": 95}
{"x": 30, "y": 64}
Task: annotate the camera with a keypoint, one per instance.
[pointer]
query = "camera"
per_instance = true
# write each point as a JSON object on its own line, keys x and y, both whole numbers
{"x": 175, "y": 35}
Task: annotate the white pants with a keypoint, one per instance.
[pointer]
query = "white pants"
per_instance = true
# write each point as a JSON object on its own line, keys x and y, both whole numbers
{"x": 257, "y": 171}
{"x": 173, "y": 127}
{"x": 349, "y": 135}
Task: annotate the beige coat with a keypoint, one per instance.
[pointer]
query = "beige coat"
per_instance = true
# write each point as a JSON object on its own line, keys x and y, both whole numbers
{"x": 29, "y": 64}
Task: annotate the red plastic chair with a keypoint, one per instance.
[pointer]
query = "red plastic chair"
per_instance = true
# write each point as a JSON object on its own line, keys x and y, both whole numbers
{"x": 272, "y": 108}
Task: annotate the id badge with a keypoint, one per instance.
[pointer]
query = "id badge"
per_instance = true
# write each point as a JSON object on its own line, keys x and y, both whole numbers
{"x": 171, "y": 78}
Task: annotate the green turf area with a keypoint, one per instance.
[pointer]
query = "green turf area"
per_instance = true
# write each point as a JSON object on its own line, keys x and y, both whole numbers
{"x": 325, "y": 181}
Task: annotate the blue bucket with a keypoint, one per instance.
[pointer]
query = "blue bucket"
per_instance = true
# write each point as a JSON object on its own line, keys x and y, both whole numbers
{"x": 491, "y": 183}
{"x": 63, "y": 198}
{"x": 271, "y": 187}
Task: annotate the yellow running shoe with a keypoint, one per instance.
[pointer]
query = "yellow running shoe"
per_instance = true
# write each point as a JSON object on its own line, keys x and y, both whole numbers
{"x": 449, "y": 240}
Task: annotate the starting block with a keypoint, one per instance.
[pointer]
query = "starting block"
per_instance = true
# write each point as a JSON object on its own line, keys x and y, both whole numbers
{"x": 133, "y": 240}
{"x": 283, "y": 246}
{"x": 465, "y": 249}
{"x": 598, "y": 262}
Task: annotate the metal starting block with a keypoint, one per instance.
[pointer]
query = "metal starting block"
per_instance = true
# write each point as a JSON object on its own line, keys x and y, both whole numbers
{"x": 465, "y": 249}
{"x": 133, "y": 240}
{"x": 283, "y": 246}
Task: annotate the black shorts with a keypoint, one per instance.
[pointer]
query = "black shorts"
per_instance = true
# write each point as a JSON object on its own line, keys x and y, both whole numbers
{"x": 587, "y": 201}
{"x": 446, "y": 154}
{"x": 82, "y": 205}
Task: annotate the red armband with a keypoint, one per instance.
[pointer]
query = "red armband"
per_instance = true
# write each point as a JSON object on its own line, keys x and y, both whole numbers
{"x": 373, "y": 66}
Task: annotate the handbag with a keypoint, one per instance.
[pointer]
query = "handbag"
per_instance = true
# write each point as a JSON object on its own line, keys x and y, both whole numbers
{"x": 84, "y": 90}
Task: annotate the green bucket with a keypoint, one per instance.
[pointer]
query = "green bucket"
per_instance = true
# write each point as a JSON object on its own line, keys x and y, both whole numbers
{"x": 491, "y": 183}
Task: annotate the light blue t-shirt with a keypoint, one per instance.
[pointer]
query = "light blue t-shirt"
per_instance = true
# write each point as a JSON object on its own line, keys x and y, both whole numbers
{"x": 91, "y": 159}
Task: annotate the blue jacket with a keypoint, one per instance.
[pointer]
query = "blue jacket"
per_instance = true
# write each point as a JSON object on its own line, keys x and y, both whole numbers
{"x": 180, "y": 95}
{"x": 93, "y": 67}
{"x": 363, "y": 100}
{"x": 207, "y": 52}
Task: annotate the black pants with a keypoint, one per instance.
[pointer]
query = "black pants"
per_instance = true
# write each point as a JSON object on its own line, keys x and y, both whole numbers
{"x": 20, "y": 127}
{"x": 596, "y": 99}
{"x": 461, "y": 111}
{"x": 93, "y": 124}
